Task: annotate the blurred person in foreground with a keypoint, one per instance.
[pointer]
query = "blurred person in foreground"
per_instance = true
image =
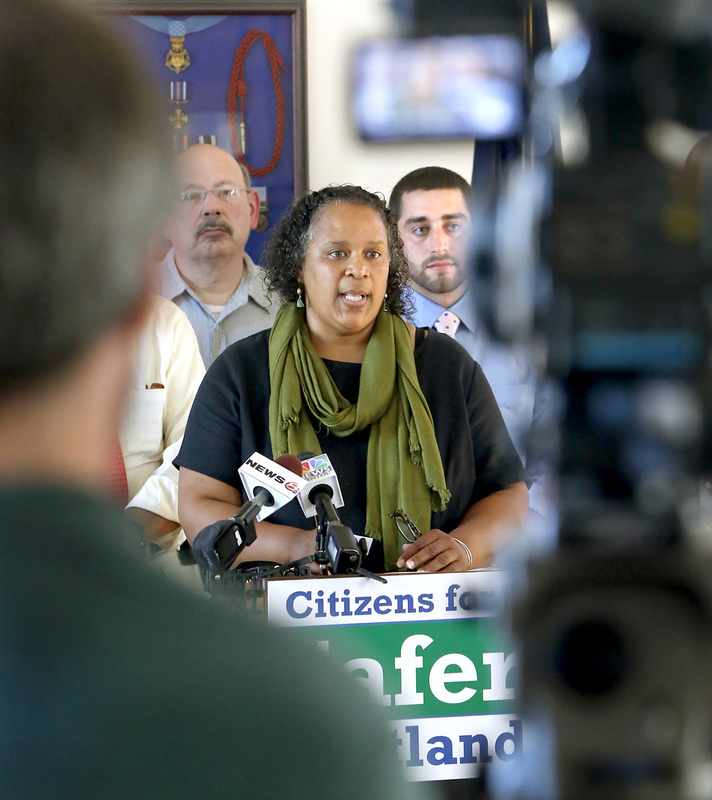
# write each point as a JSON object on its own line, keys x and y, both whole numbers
{"x": 91, "y": 646}
{"x": 406, "y": 417}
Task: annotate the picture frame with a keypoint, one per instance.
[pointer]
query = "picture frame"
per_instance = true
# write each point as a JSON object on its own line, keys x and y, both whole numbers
{"x": 231, "y": 73}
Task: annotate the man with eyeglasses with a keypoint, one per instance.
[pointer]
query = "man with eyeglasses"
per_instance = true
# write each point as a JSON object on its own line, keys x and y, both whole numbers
{"x": 207, "y": 273}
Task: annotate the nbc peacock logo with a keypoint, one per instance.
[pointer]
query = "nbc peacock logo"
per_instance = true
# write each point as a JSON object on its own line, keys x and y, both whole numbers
{"x": 311, "y": 464}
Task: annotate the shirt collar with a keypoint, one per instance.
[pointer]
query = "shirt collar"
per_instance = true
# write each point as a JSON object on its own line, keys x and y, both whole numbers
{"x": 426, "y": 311}
{"x": 170, "y": 282}
{"x": 254, "y": 283}
{"x": 251, "y": 285}
{"x": 465, "y": 308}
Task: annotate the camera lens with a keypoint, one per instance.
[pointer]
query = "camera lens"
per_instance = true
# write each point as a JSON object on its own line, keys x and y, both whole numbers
{"x": 590, "y": 658}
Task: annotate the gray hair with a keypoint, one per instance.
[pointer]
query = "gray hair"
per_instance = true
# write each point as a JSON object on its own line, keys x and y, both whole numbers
{"x": 246, "y": 175}
{"x": 82, "y": 165}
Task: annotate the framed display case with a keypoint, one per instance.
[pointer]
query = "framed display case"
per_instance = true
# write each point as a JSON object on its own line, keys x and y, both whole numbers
{"x": 231, "y": 73}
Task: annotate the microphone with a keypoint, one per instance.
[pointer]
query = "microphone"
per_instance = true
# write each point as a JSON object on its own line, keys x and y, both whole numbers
{"x": 318, "y": 472}
{"x": 336, "y": 543}
{"x": 269, "y": 485}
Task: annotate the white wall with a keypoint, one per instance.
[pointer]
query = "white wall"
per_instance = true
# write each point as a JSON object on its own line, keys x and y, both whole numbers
{"x": 335, "y": 153}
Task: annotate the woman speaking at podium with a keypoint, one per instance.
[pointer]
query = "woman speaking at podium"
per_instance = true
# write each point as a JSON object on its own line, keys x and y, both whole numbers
{"x": 404, "y": 414}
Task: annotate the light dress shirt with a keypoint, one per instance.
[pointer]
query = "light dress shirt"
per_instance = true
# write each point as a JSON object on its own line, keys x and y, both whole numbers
{"x": 151, "y": 432}
{"x": 248, "y": 310}
{"x": 507, "y": 369}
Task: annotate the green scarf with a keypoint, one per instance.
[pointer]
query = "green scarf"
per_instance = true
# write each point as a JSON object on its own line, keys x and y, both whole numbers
{"x": 404, "y": 469}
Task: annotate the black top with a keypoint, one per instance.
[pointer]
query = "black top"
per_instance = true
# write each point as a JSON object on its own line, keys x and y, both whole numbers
{"x": 229, "y": 421}
{"x": 117, "y": 684}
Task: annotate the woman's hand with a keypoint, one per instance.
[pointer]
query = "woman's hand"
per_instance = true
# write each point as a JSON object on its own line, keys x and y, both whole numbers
{"x": 436, "y": 551}
{"x": 487, "y": 524}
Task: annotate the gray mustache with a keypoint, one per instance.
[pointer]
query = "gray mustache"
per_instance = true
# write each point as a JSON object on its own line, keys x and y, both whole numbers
{"x": 212, "y": 224}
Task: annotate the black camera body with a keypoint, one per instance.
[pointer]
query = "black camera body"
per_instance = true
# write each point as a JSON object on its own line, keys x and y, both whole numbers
{"x": 615, "y": 649}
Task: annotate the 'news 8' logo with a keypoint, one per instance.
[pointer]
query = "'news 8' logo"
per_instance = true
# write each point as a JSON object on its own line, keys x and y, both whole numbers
{"x": 313, "y": 463}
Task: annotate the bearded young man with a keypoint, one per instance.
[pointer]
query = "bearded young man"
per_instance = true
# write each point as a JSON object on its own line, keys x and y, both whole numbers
{"x": 433, "y": 209}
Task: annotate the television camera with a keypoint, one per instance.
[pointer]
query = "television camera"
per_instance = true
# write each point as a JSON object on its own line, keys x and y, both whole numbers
{"x": 592, "y": 247}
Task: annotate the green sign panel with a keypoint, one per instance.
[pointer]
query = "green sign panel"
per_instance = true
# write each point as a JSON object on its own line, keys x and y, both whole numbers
{"x": 431, "y": 652}
{"x": 456, "y": 666}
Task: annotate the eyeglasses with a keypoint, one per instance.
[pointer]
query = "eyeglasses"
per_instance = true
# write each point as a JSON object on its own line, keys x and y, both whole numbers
{"x": 194, "y": 197}
{"x": 406, "y": 527}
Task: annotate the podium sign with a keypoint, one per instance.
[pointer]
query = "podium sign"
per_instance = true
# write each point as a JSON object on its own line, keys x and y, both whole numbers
{"x": 429, "y": 649}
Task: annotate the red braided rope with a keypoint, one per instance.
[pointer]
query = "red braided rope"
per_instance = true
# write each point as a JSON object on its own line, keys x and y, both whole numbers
{"x": 238, "y": 88}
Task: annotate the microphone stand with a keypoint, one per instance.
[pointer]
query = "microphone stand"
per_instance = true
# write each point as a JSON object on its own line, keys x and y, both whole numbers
{"x": 300, "y": 568}
{"x": 321, "y": 556}
{"x": 336, "y": 548}
{"x": 336, "y": 545}
{"x": 329, "y": 529}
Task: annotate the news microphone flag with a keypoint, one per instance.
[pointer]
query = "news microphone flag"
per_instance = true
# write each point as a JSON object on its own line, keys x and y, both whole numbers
{"x": 259, "y": 472}
{"x": 317, "y": 471}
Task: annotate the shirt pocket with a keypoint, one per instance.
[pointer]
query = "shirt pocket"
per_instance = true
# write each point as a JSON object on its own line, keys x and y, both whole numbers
{"x": 143, "y": 431}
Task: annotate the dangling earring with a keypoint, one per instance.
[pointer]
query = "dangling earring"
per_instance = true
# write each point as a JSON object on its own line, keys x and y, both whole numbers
{"x": 385, "y": 305}
{"x": 300, "y": 302}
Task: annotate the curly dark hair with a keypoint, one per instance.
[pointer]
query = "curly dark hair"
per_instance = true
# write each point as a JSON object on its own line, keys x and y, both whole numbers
{"x": 285, "y": 253}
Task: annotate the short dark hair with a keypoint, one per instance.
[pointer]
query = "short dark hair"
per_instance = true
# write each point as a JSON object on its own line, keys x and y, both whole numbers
{"x": 82, "y": 166}
{"x": 285, "y": 253}
{"x": 426, "y": 179}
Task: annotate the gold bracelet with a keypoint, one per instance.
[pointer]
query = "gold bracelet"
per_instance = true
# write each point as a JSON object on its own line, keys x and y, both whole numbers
{"x": 467, "y": 550}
